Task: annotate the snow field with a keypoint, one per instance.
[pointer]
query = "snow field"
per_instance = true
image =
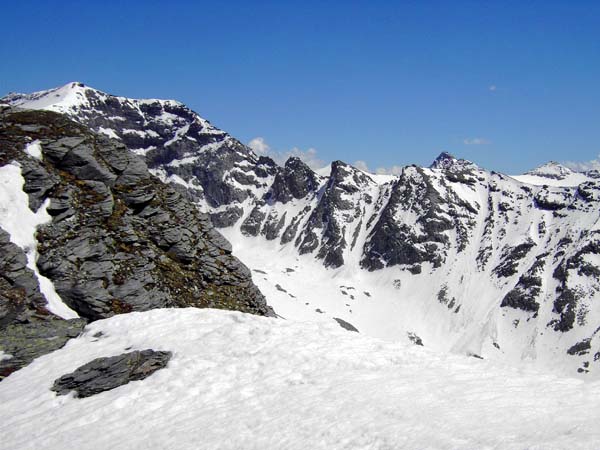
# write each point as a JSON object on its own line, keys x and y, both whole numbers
{"x": 242, "y": 381}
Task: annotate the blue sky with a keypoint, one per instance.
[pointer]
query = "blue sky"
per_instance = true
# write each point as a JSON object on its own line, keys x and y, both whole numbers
{"x": 509, "y": 85}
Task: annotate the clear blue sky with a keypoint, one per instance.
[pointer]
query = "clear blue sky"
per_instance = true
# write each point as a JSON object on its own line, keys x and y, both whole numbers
{"x": 390, "y": 83}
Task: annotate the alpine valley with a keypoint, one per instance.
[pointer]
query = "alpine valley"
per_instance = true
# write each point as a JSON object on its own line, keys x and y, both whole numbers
{"x": 452, "y": 257}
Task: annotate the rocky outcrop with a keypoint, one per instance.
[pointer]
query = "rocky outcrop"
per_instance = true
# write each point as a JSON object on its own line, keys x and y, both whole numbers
{"x": 120, "y": 240}
{"x": 340, "y": 205}
{"x": 525, "y": 294}
{"x": 393, "y": 242}
{"x": 104, "y": 374}
{"x": 27, "y": 328}
{"x": 295, "y": 181}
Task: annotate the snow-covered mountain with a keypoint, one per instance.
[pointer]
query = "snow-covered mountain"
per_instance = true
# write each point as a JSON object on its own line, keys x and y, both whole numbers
{"x": 555, "y": 174}
{"x": 452, "y": 256}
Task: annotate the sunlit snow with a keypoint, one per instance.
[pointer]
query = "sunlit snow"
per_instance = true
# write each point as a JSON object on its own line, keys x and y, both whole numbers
{"x": 33, "y": 149}
{"x": 20, "y": 223}
{"x": 239, "y": 381}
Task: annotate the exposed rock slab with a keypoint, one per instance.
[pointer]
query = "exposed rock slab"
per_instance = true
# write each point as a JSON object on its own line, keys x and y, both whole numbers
{"x": 104, "y": 374}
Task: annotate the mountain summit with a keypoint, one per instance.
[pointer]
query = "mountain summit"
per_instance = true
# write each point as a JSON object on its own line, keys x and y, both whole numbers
{"x": 447, "y": 161}
{"x": 552, "y": 170}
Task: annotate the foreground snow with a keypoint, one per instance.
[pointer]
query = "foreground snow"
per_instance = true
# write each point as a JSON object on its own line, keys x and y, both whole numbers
{"x": 240, "y": 381}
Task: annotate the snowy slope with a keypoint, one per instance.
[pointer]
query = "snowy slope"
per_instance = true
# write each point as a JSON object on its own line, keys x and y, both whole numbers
{"x": 466, "y": 260}
{"x": 240, "y": 381}
{"x": 554, "y": 174}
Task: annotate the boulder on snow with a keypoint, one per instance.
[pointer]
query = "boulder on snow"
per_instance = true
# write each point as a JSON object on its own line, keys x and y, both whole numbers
{"x": 104, "y": 374}
{"x": 345, "y": 325}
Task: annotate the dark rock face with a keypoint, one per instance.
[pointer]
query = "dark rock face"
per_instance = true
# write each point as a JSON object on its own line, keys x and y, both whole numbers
{"x": 324, "y": 231}
{"x": 527, "y": 290}
{"x": 273, "y": 226}
{"x": 29, "y": 340}
{"x": 253, "y": 223}
{"x": 296, "y": 180}
{"x": 104, "y": 374}
{"x": 394, "y": 243}
{"x": 510, "y": 259}
{"x": 27, "y": 328}
{"x": 552, "y": 199}
{"x": 227, "y": 218}
{"x": 120, "y": 240}
{"x": 20, "y": 297}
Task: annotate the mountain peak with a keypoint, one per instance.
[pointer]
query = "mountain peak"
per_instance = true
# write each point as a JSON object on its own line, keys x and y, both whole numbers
{"x": 448, "y": 161}
{"x": 443, "y": 161}
{"x": 57, "y": 99}
{"x": 552, "y": 170}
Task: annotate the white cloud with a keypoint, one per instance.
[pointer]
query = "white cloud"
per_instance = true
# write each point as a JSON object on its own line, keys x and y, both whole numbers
{"x": 593, "y": 164}
{"x": 492, "y": 87}
{"x": 361, "y": 165}
{"x": 309, "y": 156}
{"x": 476, "y": 141}
{"x": 259, "y": 145}
{"x": 394, "y": 170}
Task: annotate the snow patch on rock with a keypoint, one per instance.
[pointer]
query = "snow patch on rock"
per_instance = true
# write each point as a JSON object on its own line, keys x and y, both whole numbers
{"x": 20, "y": 223}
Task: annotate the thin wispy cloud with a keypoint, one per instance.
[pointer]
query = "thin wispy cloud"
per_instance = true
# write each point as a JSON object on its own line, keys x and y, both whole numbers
{"x": 393, "y": 170}
{"x": 259, "y": 145}
{"x": 584, "y": 166}
{"x": 476, "y": 141}
{"x": 309, "y": 156}
{"x": 361, "y": 165}
{"x": 492, "y": 87}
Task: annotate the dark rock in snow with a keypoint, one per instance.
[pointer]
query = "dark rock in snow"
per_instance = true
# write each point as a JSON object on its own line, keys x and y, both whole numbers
{"x": 345, "y": 325}
{"x": 412, "y": 337}
{"x": 581, "y": 348}
{"x": 104, "y": 374}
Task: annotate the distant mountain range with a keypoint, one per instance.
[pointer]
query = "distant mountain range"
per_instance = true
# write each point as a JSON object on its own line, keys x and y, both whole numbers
{"x": 451, "y": 256}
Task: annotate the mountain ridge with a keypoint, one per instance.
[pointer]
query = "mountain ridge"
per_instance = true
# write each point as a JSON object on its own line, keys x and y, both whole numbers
{"x": 505, "y": 268}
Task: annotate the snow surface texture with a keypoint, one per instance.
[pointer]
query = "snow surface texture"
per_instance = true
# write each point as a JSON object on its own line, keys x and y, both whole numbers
{"x": 241, "y": 381}
{"x": 20, "y": 223}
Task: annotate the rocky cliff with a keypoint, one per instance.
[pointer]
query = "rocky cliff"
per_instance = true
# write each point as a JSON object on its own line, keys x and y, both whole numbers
{"x": 119, "y": 239}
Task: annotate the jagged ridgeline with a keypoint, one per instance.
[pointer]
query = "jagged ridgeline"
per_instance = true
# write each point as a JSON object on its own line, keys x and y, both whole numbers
{"x": 119, "y": 240}
{"x": 503, "y": 267}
